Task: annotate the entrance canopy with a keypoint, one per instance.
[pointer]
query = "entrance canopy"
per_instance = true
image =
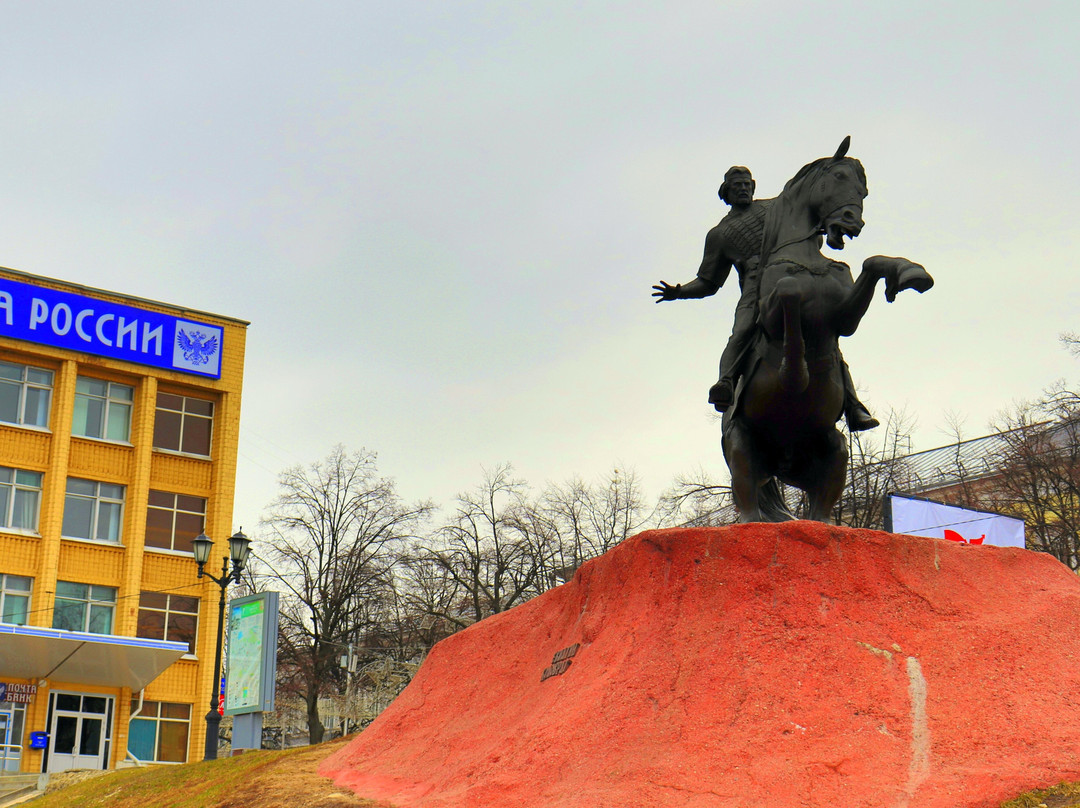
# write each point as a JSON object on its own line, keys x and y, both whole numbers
{"x": 75, "y": 657}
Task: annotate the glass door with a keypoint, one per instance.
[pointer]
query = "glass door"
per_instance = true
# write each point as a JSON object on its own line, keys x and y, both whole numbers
{"x": 12, "y": 721}
{"x": 80, "y": 731}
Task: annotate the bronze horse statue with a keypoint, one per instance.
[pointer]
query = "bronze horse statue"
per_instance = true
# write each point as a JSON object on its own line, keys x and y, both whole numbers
{"x": 782, "y": 426}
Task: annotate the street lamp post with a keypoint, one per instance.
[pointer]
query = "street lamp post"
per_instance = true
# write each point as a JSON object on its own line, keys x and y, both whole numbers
{"x": 239, "y": 546}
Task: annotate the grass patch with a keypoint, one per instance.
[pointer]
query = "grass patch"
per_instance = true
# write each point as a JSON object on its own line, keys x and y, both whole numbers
{"x": 1063, "y": 795}
{"x": 261, "y": 779}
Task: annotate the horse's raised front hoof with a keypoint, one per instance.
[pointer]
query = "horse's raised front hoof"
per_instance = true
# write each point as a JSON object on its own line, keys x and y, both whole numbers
{"x": 899, "y": 274}
{"x": 913, "y": 276}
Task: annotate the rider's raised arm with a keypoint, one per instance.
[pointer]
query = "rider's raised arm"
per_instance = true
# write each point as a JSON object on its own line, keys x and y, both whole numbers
{"x": 715, "y": 263}
{"x": 698, "y": 287}
{"x": 715, "y": 267}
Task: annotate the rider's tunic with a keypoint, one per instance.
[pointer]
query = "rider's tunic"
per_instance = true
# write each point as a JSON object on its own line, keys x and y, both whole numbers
{"x": 737, "y": 240}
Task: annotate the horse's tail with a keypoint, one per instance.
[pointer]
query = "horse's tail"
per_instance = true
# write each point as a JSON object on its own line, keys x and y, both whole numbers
{"x": 772, "y": 504}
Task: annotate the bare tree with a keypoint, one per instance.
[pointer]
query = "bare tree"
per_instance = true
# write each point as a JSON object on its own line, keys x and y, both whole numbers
{"x": 502, "y": 545}
{"x": 876, "y": 466}
{"x": 968, "y": 472}
{"x": 333, "y": 534}
{"x": 1071, "y": 341}
{"x": 696, "y": 500}
{"x": 580, "y": 521}
{"x": 485, "y": 555}
{"x": 432, "y": 596}
{"x": 1038, "y": 472}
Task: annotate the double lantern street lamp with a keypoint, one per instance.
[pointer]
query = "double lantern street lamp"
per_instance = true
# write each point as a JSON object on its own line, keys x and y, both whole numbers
{"x": 239, "y": 547}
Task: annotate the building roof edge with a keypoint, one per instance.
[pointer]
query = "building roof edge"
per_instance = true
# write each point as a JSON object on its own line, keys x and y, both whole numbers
{"x": 134, "y": 298}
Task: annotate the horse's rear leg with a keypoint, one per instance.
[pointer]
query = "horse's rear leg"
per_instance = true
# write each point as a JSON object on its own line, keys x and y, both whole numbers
{"x": 826, "y": 476}
{"x": 746, "y": 473}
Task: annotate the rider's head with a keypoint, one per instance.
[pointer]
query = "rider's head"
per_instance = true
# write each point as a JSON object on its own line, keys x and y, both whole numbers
{"x": 738, "y": 186}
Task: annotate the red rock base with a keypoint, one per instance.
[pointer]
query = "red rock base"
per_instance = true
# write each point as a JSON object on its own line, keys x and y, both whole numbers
{"x": 783, "y": 666}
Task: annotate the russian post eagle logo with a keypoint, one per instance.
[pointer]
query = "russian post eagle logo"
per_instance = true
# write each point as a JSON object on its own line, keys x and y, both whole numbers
{"x": 196, "y": 347}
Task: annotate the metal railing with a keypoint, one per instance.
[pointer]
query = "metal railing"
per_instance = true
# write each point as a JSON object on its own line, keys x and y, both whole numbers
{"x": 6, "y": 758}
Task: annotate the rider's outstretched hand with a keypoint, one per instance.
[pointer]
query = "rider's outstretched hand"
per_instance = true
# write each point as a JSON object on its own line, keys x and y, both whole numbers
{"x": 665, "y": 291}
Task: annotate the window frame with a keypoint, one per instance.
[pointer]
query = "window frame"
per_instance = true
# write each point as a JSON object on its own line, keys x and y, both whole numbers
{"x": 14, "y": 487}
{"x": 109, "y": 402}
{"x": 90, "y": 602}
{"x": 175, "y": 511}
{"x": 183, "y": 416}
{"x": 97, "y": 501}
{"x": 7, "y": 592}
{"x": 26, "y": 385}
{"x": 158, "y": 719}
{"x": 169, "y": 610}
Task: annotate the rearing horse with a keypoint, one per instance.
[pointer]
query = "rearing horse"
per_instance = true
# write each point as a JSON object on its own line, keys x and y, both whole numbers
{"x": 782, "y": 426}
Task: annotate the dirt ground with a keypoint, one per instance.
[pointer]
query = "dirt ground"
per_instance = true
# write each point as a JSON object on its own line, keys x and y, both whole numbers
{"x": 298, "y": 786}
{"x": 293, "y": 782}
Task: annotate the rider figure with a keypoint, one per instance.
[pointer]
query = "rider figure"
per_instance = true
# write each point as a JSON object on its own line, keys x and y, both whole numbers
{"x": 736, "y": 241}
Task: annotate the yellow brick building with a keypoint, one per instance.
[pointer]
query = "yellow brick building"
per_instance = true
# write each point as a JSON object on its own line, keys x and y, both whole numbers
{"x": 119, "y": 424}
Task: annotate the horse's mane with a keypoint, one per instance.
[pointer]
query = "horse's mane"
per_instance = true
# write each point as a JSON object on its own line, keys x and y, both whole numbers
{"x": 787, "y": 199}
{"x": 821, "y": 162}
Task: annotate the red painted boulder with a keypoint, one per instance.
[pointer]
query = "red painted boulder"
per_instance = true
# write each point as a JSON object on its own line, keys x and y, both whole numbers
{"x": 757, "y": 665}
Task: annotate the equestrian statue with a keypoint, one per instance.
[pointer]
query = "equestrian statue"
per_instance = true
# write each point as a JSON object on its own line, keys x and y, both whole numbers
{"x": 783, "y": 384}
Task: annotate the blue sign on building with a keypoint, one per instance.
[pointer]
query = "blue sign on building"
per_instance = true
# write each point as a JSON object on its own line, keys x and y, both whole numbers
{"x": 80, "y": 323}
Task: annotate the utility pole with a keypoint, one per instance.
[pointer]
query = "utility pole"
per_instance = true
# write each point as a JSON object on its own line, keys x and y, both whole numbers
{"x": 348, "y": 662}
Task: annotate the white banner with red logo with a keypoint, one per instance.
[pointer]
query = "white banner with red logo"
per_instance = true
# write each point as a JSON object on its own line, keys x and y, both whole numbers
{"x": 936, "y": 520}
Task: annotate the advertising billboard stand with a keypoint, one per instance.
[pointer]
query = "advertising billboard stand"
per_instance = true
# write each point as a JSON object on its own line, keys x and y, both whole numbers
{"x": 252, "y": 666}
{"x": 247, "y": 731}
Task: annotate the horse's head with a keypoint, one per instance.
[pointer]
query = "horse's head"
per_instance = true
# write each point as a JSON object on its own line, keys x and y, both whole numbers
{"x": 837, "y": 190}
{"x": 825, "y": 197}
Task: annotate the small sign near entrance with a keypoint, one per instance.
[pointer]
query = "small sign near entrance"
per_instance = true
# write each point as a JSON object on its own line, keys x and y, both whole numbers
{"x": 17, "y": 693}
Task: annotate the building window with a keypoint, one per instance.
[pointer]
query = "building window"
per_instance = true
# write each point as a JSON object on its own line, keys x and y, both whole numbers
{"x": 159, "y": 733}
{"x": 183, "y": 424}
{"x": 102, "y": 409}
{"x": 93, "y": 510}
{"x": 25, "y": 394}
{"x": 168, "y": 617}
{"x": 20, "y": 498}
{"x": 84, "y": 607}
{"x": 14, "y": 599}
{"x": 173, "y": 520}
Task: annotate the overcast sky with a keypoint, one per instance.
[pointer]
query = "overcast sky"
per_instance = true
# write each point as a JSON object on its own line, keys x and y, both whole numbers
{"x": 443, "y": 220}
